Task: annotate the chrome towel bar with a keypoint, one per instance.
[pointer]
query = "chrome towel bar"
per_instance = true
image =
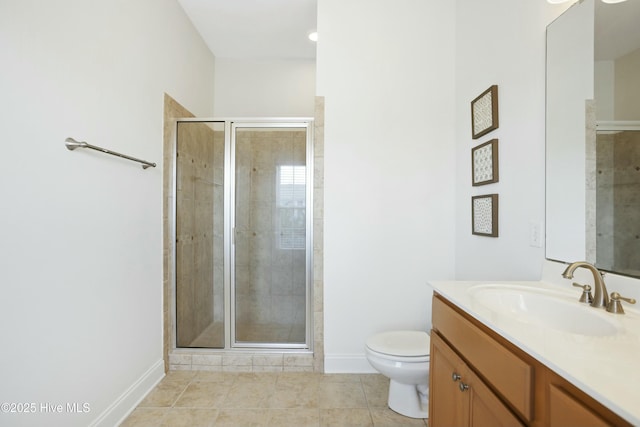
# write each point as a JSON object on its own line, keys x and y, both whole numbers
{"x": 72, "y": 144}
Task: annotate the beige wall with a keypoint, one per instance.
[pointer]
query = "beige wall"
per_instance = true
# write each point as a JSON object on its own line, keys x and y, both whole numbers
{"x": 388, "y": 157}
{"x": 264, "y": 87}
{"x": 627, "y": 87}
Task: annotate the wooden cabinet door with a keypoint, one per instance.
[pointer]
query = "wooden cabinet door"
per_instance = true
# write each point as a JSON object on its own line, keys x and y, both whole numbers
{"x": 457, "y": 397}
{"x": 486, "y": 409}
{"x": 509, "y": 375}
{"x": 565, "y": 411}
{"x": 448, "y": 406}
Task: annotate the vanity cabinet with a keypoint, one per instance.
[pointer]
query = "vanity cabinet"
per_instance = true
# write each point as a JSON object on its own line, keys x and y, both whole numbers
{"x": 460, "y": 397}
{"x": 478, "y": 378}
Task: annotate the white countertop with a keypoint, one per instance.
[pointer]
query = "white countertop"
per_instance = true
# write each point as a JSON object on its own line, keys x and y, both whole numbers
{"x": 605, "y": 367}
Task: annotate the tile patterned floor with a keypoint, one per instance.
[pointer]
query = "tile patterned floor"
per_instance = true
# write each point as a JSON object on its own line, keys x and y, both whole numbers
{"x": 201, "y": 398}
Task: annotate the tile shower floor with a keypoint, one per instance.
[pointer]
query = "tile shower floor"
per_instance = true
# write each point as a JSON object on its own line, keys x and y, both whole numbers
{"x": 202, "y": 398}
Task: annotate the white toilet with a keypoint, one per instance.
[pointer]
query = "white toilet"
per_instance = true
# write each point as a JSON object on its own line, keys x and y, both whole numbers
{"x": 403, "y": 357}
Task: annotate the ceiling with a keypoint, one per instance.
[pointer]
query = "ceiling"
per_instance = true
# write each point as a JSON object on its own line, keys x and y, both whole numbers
{"x": 255, "y": 29}
{"x": 278, "y": 29}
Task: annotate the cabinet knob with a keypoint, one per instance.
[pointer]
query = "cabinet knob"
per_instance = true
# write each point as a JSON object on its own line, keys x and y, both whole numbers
{"x": 455, "y": 377}
{"x": 464, "y": 387}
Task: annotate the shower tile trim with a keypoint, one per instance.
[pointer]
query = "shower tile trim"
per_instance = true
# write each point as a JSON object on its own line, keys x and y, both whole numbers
{"x": 232, "y": 361}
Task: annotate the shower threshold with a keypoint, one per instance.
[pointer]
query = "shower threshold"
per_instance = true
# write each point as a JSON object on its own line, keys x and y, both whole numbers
{"x": 251, "y": 333}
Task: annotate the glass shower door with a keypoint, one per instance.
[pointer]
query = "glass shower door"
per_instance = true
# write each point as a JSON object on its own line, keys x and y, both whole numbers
{"x": 271, "y": 263}
{"x": 199, "y": 234}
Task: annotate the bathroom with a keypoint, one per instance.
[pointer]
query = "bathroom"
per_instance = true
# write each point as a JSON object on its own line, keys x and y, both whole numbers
{"x": 82, "y": 246}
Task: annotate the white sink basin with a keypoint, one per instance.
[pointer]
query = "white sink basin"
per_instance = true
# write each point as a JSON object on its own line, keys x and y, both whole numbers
{"x": 544, "y": 307}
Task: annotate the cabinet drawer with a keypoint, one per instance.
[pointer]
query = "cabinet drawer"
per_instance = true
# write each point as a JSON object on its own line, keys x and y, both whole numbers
{"x": 509, "y": 375}
{"x": 566, "y": 411}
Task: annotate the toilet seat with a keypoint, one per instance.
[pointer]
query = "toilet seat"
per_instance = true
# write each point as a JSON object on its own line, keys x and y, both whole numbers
{"x": 402, "y": 344}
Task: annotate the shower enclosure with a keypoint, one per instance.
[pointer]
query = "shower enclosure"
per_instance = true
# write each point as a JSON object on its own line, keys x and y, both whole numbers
{"x": 618, "y": 197}
{"x": 243, "y": 241}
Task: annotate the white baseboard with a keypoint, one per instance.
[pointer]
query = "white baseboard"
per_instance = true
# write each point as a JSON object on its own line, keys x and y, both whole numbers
{"x": 116, "y": 413}
{"x": 347, "y": 364}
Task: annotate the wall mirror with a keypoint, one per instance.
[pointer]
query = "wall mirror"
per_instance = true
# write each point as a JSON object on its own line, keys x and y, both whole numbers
{"x": 593, "y": 136}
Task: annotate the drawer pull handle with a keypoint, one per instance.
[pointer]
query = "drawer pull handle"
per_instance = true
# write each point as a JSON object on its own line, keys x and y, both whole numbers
{"x": 455, "y": 377}
{"x": 464, "y": 387}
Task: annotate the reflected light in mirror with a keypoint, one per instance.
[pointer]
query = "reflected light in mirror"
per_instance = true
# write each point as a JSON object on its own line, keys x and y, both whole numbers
{"x": 564, "y": 1}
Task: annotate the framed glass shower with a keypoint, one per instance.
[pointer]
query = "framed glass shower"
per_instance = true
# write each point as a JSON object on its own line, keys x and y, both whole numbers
{"x": 243, "y": 233}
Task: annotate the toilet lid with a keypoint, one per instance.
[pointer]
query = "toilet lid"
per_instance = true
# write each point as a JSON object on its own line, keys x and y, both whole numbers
{"x": 400, "y": 343}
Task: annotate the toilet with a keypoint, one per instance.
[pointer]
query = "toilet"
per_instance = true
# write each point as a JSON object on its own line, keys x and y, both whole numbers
{"x": 403, "y": 357}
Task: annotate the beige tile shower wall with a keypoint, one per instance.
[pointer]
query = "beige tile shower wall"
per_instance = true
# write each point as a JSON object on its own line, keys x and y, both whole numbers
{"x": 618, "y": 201}
{"x": 604, "y": 211}
{"x": 591, "y": 166}
{"x": 172, "y": 109}
{"x": 218, "y": 226}
{"x": 627, "y": 201}
{"x": 194, "y": 230}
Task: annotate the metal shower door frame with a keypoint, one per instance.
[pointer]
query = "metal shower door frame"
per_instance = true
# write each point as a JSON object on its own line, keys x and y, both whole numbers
{"x": 230, "y": 328}
{"x": 230, "y": 126}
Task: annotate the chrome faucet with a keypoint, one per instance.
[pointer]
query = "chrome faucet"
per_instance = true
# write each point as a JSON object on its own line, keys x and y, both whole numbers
{"x": 600, "y": 296}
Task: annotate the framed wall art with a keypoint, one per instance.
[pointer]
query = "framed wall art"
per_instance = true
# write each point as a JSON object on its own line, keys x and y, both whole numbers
{"x": 484, "y": 163}
{"x": 484, "y": 112}
{"x": 484, "y": 215}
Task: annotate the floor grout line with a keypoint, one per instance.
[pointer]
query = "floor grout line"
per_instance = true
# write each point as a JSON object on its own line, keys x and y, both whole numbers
{"x": 369, "y": 385}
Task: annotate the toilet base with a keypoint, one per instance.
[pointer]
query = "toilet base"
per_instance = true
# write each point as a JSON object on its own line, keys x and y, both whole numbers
{"x": 405, "y": 400}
